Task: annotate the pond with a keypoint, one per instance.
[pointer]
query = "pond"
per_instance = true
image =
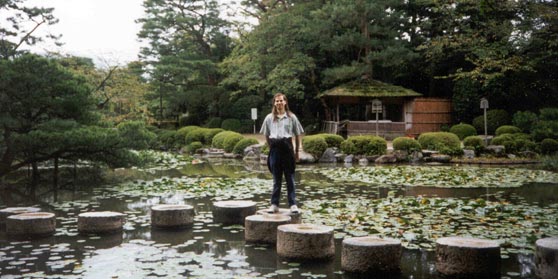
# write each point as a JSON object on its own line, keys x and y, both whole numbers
{"x": 415, "y": 204}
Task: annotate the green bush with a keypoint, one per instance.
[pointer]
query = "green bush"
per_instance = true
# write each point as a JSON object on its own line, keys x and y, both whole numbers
{"x": 494, "y": 119}
{"x": 246, "y": 126}
{"x": 514, "y": 142}
{"x": 231, "y": 124}
{"x": 242, "y": 144}
{"x": 136, "y": 134}
{"x": 167, "y": 138}
{"x": 474, "y": 142}
{"x": 545, "y": 129}
{"x": 444, "y": 142}
{"x": 219, "y": 139}
{"x": 463, "y": 130}
{"x": 230, "y": 141}
{"x": 406, "y": 144}
{"x": 549, "y": 146}
{"x": 195, "y": 135}
{"x": 209, "y": 134}
{"x": 315, "y": 145}
{"x": 524, "y": 120}
{"x": 265, "y": 149}
{"x": 213, "y": 122}
{"x": 364, "y": 145}
{"x": 193, "y": 147}
{"x": 182, "y": 133}
{"x": 332, "y": 140}
{"x": 548, "y": 114}
{"x": 507, "y": 129}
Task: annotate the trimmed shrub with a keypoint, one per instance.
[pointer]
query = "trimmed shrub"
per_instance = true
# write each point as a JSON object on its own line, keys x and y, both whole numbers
{"x": 549, "y": 146}
{"x": 209, "y": 133}
{"x": 494, "y": 119}
{"x": 136, "y": 134}
{"x": 231, "y": 124}
{"x": 213, "y": 122}
{"x": 242, "y": 144}
{"x": 524, "y": 120}
{"x": 167, "y": 138}
{"x": 507, "y": 129}
{"x": 219, "y": 139}
{"x": 406, "y": 144}
{"x": 195, "y": 135}
{"x": 463, "y": 130}
{"x": 230, "y": 141}
{"x": 545, "y": 129}
{"x": 548, "y": 114}
{"x": 193, "y": 147}
{"x": 182, "y": 133}
{"x": 474, "y": 142}
{"x": 444, "y": 142}
{"x": 364, "y": 145}
{"x": 514, "y": 142}
{"x": 315, "y": 145}
{"x": 332, "y": 140}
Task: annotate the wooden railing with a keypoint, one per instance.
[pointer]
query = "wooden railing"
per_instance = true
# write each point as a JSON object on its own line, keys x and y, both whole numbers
{"x": 388, "y": 130}
{"x": 330, "y": 127}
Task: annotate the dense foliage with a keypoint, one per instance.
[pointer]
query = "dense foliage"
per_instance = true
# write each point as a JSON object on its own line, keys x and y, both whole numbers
{"x": 406, "y": 144}
{"x": 446, "y": 143}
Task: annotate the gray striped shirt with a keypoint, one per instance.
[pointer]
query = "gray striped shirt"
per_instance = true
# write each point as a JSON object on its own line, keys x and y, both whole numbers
{"x": 284, "y": 127}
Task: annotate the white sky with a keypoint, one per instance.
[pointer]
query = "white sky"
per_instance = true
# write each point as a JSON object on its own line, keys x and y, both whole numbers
{"x": 104, "y": 30}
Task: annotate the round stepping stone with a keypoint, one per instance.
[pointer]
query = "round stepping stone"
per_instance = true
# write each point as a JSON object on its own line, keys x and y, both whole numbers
{"x": 100, "y": 222}
{"x": 462, "y": 256}
{"x": 296, "y": 218}
{"x": 4, "y": 213}
{"x": 172, "y": 215}
{"x": 263, "y": 228}
{"x": 232, "y": 212}
{"x": 31, "y": 224}
{"x": 546, "y": 258}
{"x": 370, "y": 254}
{"x": 305, "y": 242}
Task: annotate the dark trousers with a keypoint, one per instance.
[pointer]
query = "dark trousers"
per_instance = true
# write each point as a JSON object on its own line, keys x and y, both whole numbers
{"x": 281, "y": 164}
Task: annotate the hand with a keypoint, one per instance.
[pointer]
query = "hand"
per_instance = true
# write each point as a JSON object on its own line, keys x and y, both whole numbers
{"x": 297, "y": 158}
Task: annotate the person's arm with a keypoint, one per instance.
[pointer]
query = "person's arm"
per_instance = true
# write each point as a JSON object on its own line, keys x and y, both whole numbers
{"x": 297, "y": 147}
{"x": 267, "y": 141}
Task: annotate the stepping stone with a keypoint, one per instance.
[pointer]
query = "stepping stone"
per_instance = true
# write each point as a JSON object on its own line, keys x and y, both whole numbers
{"x": 100, "y": 222}
{"x": 4, "y": 213}
{"x": 305, "y": 242}
{"x": 262, "y": 228}
{"x": 463, "y": 256}
{"x": 296, "y": 218}
{"x": 31, "y": 224}
{"x": 370, "y": 254}
{"x": 172, "y": 216}
{"x": 546, "y": 258}
{"x": 232, "y": 212}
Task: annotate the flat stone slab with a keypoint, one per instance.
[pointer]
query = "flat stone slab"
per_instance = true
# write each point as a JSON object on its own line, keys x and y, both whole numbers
{"x": 31, "y": 224}
{"x": 463, "y": 256}
{"x": 100, "y": 222}
{"x": 262, "y": 228}
{"x": 233, "y": 212}
{"x": 305, "y": 242}
{"x": 370, "y": 254}
{"x": 296, "y": 218}
{"x": 546, "y": 258}
{"x": 4, "y": 213}
{"x": 172, "y": 215}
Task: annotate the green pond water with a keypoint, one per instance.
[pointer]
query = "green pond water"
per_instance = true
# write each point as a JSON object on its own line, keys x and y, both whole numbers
{"x": 415, "y": 204}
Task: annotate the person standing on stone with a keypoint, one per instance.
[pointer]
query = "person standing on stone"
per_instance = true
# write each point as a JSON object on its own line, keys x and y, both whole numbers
{"x": 279, "y": 128}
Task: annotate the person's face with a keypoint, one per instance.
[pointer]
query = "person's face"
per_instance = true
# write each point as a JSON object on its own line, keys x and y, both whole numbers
{"x": 280, "y": 103}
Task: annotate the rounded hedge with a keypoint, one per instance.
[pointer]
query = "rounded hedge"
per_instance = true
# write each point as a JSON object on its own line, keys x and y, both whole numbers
{"x": 315, "y": 145}
{"x": 209, "y": 134}
{"x": 364, "y": 145}
{"x": 524, "y": 120}
{"x": 444, "y": 142}
{"x": 507, "y": 129}
{"x": 231, "y": 124}
{"x": 194, "y": 146}
{"x": 406, "y": 144}
{"x": 549, "y": 146}
{"x": 136, "y": 134}
{"x": 182, "y": 133}
{"x": 195, "y": 135}
{"x": 474, "y": 142}
{"x": 463, "y": 130}
{"x": 514, "y": 142}
{"x": 242, "y": 144}
{"x": 230, "y": 141}
{"x": 167, "y": 138}
{"x": 494, "y": 119}
{"x": 332, "y": 140}
{"x": 213, "y": 122}
{"x": 219, "y": 139}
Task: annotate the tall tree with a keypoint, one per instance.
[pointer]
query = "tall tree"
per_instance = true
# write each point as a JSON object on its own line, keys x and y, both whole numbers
{"x": 22, "y": 24}
{"x": 187, "y": 39}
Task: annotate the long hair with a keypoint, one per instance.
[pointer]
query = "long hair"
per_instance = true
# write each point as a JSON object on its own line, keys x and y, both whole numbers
{"x": 274, "y": 109}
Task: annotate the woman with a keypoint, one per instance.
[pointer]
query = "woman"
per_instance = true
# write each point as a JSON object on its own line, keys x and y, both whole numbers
{"x": 279, "y": 128}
